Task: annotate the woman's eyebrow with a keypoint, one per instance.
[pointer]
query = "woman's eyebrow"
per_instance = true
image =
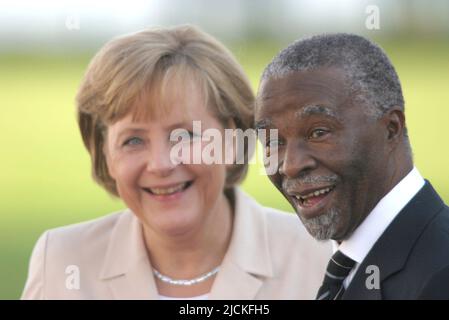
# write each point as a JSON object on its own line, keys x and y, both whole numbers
{"x": 127, "y": 131}
{"x": 140, "y": 130}
{"x": 182, "y": 124}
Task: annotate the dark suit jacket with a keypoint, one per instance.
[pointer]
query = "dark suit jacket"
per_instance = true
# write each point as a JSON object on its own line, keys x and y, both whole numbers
{"x": 412, "y": 255}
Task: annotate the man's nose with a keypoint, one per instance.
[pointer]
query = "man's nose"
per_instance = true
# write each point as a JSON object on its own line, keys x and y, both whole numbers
{"x": 297, "y": 158}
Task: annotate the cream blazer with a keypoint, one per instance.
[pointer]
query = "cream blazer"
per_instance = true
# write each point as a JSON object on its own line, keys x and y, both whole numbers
{"x": 270, "y": 256}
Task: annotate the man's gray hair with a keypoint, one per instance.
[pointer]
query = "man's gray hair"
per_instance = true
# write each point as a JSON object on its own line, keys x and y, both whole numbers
{"x": 369, "y": 72}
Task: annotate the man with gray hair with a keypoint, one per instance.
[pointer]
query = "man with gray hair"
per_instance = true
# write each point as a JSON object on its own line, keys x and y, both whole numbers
{"x": 345, "y": 165}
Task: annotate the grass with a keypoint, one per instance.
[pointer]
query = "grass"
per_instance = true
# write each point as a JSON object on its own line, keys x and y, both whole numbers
{"x": 45, "y": 181}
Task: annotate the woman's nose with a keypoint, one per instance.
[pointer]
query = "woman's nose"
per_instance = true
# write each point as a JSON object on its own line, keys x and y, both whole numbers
{"x": 160, "y": 161}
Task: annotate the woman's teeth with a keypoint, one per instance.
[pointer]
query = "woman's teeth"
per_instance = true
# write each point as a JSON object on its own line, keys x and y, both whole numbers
{"x": 167, "y": 191}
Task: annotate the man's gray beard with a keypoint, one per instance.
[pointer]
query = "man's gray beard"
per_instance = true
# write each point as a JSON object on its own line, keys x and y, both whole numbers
{"x": 323, "y": 227}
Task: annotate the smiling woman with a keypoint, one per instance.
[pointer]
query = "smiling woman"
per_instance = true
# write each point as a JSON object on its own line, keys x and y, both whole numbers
{"x": 188, "y": 231}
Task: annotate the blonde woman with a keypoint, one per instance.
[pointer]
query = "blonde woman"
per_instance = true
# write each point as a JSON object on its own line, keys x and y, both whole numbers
{"x": 188, "y": 231}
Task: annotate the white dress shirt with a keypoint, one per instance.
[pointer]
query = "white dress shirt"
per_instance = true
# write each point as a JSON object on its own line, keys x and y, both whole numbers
{"x": 358, "y": 245}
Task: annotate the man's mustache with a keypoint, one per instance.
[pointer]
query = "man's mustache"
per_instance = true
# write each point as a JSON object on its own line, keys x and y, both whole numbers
{"x": 291, "y": 184}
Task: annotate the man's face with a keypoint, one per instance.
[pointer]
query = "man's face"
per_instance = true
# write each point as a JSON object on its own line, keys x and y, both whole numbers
{"x": 332, "y": 156}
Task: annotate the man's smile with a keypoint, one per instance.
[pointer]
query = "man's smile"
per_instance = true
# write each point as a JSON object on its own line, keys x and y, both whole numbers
{"x": 311, "y": 201}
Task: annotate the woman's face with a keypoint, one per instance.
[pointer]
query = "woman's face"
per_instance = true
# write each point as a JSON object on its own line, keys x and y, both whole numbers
{"x": 170, "y": 199}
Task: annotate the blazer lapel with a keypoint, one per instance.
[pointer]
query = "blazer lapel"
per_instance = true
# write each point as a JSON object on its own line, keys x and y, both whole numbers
{"x": 235, "y": 283}
{"x": 136, "y": 284}
{"x": 247, "y": 262}
{"x": 126, "y": 268}
{"x": 390, "y": 252}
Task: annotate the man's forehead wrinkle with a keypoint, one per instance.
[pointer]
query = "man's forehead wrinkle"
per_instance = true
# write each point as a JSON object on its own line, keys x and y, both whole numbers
{"x": 316, "y": 109}
{"x": 301, "y": 88}
{"x": 321, "y": 87}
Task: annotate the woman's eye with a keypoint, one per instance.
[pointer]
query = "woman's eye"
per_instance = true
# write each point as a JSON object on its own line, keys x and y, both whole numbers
{"x": 190, "y": 136}
{"x": 133, "y": 141}
{"x": 195, "y": 136}
{"x": 317, "y": 133}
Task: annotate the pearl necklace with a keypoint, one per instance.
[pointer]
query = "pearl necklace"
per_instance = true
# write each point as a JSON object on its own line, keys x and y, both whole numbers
{"x": 189, "y": 282}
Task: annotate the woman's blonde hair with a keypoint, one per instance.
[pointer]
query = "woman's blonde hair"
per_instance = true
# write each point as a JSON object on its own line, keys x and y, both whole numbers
{"x": 131, "y": 66}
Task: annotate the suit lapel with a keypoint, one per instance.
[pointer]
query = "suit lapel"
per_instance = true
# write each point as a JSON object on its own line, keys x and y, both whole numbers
{"x": 390, "y": 252}
{"x": 126, "y": 268}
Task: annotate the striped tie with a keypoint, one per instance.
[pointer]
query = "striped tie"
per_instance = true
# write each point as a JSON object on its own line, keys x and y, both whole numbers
{"x": 337, "y": 270}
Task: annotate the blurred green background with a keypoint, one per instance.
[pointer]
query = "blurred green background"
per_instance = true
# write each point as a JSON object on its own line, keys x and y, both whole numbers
{"x": 45, "y": 180}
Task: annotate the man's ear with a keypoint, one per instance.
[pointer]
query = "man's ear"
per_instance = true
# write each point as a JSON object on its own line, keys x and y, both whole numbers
{"x": 394, "y": 120}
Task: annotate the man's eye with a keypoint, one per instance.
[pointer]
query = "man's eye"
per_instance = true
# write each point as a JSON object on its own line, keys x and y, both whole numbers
{"x": 133, "y": 141}
{"x": 271, "y": 146}
{"x": 317, "y": 133}
{"x": 273, "y": 143}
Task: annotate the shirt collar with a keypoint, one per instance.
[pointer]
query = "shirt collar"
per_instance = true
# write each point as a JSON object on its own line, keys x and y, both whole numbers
{"x": 369, "y": 231}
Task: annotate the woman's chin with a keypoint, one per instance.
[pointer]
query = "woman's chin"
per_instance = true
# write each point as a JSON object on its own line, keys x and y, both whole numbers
{"x": 174, "y": 224}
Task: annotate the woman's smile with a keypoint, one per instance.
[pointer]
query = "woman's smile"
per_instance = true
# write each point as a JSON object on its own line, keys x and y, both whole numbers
{"x": 168, "y": 192}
